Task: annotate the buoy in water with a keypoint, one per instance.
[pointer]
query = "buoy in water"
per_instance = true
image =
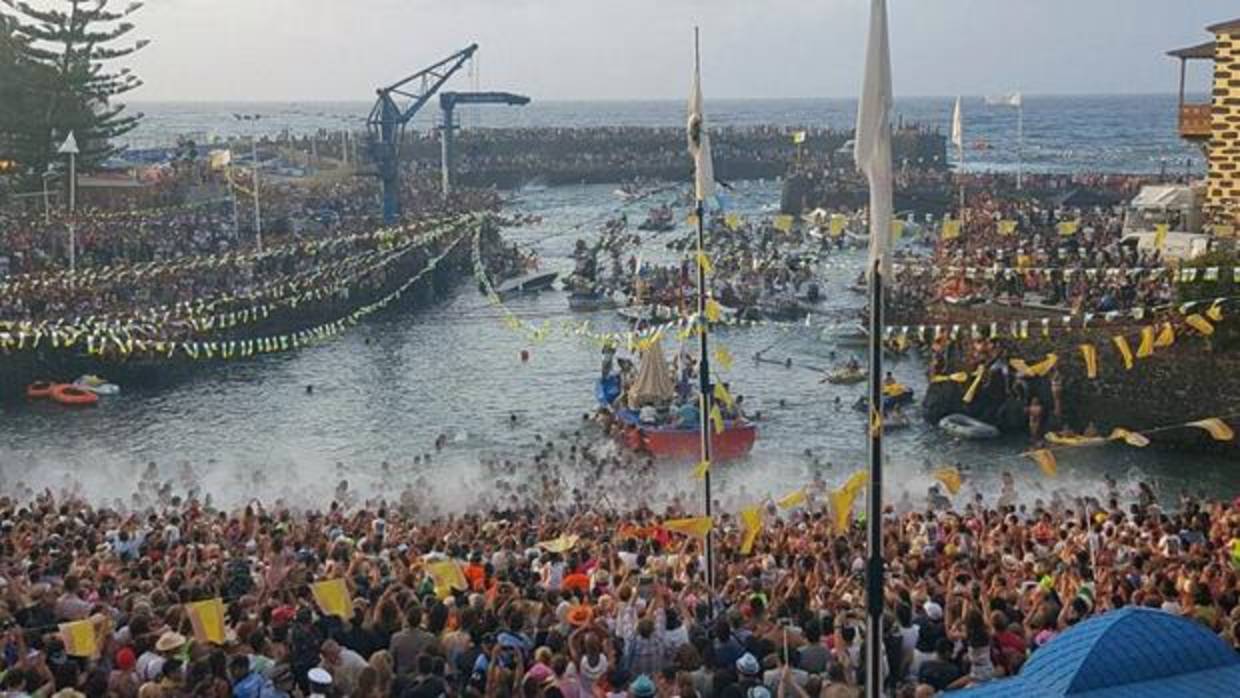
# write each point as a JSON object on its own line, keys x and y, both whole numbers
{"x": 525, "y": 356}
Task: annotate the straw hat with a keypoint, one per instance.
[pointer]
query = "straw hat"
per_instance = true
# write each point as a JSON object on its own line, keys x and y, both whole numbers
{"x": 170, "y": 642}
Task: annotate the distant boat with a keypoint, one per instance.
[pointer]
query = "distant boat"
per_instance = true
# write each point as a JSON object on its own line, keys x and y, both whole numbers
{"x": 530, "y": 283}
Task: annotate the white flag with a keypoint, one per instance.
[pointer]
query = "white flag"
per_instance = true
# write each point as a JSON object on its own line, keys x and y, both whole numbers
{"x": 699, "y": 139}
{"x": 873, "y": 139}
{"x": 957, "y": 127}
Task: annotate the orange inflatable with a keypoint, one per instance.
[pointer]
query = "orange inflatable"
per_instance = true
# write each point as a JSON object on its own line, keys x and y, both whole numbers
{"x": 73, "y": 396}
{"x": 38, "y": 390}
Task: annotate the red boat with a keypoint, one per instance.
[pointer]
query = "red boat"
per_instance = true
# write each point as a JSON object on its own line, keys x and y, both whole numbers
{"x": 734, "y": 442}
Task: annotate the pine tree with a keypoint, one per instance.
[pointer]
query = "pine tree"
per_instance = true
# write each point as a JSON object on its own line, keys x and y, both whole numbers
{"x": 61, "y": 58}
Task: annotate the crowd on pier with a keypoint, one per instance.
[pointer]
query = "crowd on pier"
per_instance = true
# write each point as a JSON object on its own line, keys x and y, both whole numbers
{"x": 556, "y": 589}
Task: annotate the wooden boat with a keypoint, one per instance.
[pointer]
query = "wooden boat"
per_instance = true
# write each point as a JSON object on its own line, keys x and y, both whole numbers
{"x": 529, "y": 283}
{"x": 669, "y": 443}
{"x": 846, "y": 376}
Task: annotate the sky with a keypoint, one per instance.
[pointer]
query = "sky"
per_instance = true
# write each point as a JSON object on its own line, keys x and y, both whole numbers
{"x": 293, "y": 50}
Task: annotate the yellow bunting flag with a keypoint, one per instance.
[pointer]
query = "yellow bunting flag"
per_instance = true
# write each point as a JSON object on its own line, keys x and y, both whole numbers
{"x": 751, "y": 522}
{"x": 977, "y": 383}
{"x": 333, "y": 598}
{"x": 207, "y": 619}
{"x": 560, "y": 544}
{"x": 724, "y": 358}
{"x": 1131, "y": 438}
{"x": 700, "y": 470}
{"x": 713, "y": 310}
{"x": 1200, "y": 324}
{"x": 1160, "y": 235}
{"x": 1124, "y": 350}
{"x": 950, "y": 477}
{"x": 722, "y": 395}
{"x": 1068, "y": 228}
{"x": 732, "y": 220}
{"x": 856, "y": 481}
{"x": 697, "y": 526}
{"x": 1046, "y": 461}
{"x": 798, "y": 137}
{"x": 1146, "y": 348}
{"x": 1217, "y": 428}
{"x": 951, "y": 229}
{"x": 1007, "y": 227}
{"x": 1090, "y": 353}
{"x": 838, "y": 224}
{"x": 783, "y": 222}
{"x": 876, "y": 422}
{"x": 959, "y": 377}
{"x": 1041, "y": 368}
{"x": 1166, "y": 337}
{"x": 79, "y": 638}
{"x": 716, "y": 419}
{"x": 704, "y": 262}
{"x": 792, "y": 499}
{"x": 897, "y": 229}
{"x": 1215, "y": 312}
{"x": 447, "y": 576}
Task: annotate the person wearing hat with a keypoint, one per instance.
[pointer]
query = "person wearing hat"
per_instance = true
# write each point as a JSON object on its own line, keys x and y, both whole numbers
{"x": 319, "y": 681}
{"x": 748, "y": 678}
{"x": 123, "y": 681}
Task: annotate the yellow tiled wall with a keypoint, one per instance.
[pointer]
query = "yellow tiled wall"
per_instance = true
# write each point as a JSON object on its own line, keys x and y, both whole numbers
{"x": 1223, "y": 192}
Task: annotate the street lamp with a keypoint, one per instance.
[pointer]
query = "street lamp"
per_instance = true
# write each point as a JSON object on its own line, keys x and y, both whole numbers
{"x": 70, "y": 148}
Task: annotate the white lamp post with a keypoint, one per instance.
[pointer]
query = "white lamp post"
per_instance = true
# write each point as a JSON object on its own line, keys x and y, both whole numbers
{"x": 70, "y": 148}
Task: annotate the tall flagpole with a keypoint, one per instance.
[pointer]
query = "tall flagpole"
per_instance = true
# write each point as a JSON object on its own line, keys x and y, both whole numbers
{"x": 874, "y": 512}
{"x": 704, "y": 386}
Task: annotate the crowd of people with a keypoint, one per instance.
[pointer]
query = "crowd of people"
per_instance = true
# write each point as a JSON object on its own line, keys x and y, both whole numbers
{"x": 558, "y": 590}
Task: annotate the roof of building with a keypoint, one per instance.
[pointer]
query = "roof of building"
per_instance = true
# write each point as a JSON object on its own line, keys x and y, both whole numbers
{"x": 1129, "y": 653}
{"x": 1229, "y": 26}
{"x": 1205, "y": 50}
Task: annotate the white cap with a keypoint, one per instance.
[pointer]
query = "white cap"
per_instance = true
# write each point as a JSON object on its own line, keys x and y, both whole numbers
{"x": 320, "y": 676}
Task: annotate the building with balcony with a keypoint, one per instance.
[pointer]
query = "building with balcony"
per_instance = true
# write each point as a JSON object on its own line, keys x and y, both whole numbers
{"x": 1215, "y": 124}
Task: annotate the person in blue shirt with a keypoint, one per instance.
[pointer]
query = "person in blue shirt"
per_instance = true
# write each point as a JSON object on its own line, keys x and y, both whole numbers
{"x": 688, "y": 416}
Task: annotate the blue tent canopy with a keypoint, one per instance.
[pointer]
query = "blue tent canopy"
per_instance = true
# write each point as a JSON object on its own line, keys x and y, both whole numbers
{"x": 1129, "y": 653}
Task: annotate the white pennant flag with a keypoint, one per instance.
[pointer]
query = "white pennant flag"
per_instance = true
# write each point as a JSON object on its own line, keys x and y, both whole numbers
{"x": 873, "y": 138}
{"x": 699, "y": 139}
{"x": 957, "y": 127}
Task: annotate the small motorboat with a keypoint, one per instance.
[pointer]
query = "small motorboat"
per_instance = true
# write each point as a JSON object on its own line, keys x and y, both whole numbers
{"x": 587, "y": 302}
{"x": 856, "y": 336}
{"x": 890, "y": 402}
{"x": 96, "y": 385}
{"x": 846, "y": 376}
{"x": 39, "y": 390}
{"x": 966, "y": 427}
{"x": 529, "y": 283}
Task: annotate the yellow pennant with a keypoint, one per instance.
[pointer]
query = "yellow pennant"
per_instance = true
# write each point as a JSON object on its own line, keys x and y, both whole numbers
{"x": 876, "y": 422}
{"x": 897, "y": 229}
{"x": 950, "y": 477}
{"x": 977, "y": 383}
{"x": 713, "y": 310}
{"x": 716, "y": 419}
{"x": 1200, "y": 324}
{"x": 1007, "y": 227}
{"x": 447, "y": 577}
{"x": 79, "y": 638}
{"x": 856, "y": 481}
{"x": 704, "y": 262}
{"x": 733, "y": 221}
{"x": 792, "y": 499}
{"x": 751, "y": 523}
{"x": 1166, "y": 337}
{"x": 724, "y": 358}
{"x": 1090, "y": 353}
{"x": 951, "y": 229}
{"x": 1068, "y": 228}
{"x": 700, "y": 470}
{"x": 1215, "y": 312}
{"x": 1046, "y": 461}
{"x": 783, "y": 222}
{"x": 333, "y": 598}
{"x": 959, "y": 377}
{"x": 1160, "y": 235}
{"x": 697, "y": 526}
{"x": 1131, "y": 438}
{"x": 841, "y": 508}
{"x": 722, "y": 395}
{"x": 560, "y": 544}
{"x": 838, "y": 223}
{"x": 1124, "y": 351}
{"x": 207, "y": 619}
{"x": 1146, "y": 348}
{"x": 1217, "y": 428}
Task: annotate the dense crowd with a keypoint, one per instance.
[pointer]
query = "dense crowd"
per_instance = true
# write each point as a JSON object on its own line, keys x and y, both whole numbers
{"x": 565, "y": 593}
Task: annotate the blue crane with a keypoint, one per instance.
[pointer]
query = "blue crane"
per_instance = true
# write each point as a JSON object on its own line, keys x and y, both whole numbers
{"x": 448, "y": 102}
{"x": 387, "y": 120}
